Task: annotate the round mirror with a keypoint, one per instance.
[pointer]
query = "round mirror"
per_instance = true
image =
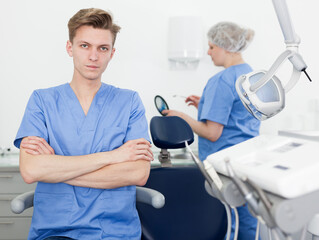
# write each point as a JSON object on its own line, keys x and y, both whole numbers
{"x": 160, "y": 104}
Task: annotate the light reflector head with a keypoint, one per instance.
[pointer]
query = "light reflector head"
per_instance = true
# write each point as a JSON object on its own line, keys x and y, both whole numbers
{"x": 264, "y": 102}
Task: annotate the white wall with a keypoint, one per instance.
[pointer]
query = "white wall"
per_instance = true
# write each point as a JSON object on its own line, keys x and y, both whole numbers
{"x": 33, "y": 35}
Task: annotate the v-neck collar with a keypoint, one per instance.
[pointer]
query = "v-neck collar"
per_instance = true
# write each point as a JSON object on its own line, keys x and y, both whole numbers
{"x": 86, "y": 122}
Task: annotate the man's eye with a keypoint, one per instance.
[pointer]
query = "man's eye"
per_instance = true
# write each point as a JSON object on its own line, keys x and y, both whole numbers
{"x": 104, "y": 49}
{"x": 84, "y": 45}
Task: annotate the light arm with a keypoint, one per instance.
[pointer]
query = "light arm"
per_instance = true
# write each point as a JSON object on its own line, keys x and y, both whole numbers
{"x": 285, "y": 22}
{"x": 275, "y": 67}
{"x": 292, "y": 41}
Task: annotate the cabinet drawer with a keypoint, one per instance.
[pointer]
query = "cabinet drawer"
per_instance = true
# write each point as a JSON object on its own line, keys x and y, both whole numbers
{"x": 14, "y": 228}
{"x": 5, "y": 207}
{"x": 12, "y": 182}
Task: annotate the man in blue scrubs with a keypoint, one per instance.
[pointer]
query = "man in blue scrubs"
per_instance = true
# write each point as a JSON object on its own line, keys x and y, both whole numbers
{"x": 86, "y": 143}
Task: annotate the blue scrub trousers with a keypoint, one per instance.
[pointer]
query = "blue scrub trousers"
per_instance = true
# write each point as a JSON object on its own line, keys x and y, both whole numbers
{"x": 247, "y": 224}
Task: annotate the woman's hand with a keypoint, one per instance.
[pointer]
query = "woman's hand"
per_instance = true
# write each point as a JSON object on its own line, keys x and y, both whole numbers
{"x": 172, "y": 113}
{"x": 192, "y": 100}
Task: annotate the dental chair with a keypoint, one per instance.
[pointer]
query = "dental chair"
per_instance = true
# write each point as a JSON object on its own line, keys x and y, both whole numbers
{"x": 189, "y": 211}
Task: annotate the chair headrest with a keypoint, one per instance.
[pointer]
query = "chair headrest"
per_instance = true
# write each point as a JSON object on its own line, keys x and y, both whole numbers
{"x": 170, "y": 132}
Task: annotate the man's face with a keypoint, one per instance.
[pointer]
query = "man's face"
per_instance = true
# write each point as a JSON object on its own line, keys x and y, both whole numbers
{"x": 217, "y": 54}
{"x": 91, "y": 51}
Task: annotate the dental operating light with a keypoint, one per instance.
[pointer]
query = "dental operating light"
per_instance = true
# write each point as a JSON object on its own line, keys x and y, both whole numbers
{"x": 262, "y": 92}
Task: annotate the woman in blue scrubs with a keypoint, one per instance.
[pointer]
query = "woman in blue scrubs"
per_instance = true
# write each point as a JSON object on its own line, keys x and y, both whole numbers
{"x": 222, "y": 120}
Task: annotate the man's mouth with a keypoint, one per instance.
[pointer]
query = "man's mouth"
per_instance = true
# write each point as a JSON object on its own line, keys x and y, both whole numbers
{"x": 92, "y": 66}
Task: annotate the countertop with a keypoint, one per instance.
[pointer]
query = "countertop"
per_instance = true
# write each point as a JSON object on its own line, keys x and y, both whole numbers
{"x": 9, "y": 162}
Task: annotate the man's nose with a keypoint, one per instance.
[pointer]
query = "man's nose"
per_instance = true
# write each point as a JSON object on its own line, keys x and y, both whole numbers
{"x": 93, "y": 55}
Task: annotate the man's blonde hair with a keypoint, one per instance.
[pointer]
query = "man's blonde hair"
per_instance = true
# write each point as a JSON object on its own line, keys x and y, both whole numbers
{"x": 97, "y": 18}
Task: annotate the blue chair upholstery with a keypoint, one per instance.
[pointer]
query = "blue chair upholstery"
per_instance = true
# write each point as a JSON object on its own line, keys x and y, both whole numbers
{"x": 189, "y": 211}
{"x": 170, "y": 132}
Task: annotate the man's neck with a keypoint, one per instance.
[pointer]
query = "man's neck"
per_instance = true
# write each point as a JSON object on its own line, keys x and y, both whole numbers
{"x": 85, "y": 91}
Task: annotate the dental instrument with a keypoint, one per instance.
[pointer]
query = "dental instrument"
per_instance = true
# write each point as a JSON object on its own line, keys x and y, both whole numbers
{"x": 175, "y": 95}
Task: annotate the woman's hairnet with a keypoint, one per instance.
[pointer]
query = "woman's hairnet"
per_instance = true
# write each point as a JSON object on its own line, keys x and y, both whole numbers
{"x": 230, "y": 36}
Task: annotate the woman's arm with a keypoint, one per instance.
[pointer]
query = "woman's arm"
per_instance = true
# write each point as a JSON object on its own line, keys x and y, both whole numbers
{"x": 209, "y": 129}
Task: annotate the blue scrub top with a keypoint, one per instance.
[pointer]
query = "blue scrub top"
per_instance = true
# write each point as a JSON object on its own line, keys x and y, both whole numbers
{"x": 220, "y": 103}
{"x": 115, "y": 116}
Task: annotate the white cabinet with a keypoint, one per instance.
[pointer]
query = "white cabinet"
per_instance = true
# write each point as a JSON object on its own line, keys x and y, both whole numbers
{"x": 12, "y": 226}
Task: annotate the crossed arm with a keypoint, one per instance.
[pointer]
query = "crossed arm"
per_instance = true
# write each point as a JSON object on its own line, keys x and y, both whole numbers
{"x": 124, "y": 166}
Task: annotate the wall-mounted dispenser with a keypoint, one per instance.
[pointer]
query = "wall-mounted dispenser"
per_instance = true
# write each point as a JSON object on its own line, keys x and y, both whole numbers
{"x": 185, "y": 42}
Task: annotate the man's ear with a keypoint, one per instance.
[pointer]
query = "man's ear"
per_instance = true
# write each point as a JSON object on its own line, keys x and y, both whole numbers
{"x": 69, "y": 48}
{"x": 112, "y": 53}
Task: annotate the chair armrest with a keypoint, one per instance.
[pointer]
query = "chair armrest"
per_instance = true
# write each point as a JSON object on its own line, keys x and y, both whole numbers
{"x": 150, "y": 196}
{"x": 22, "y": 202}
{"x": 144, "y": 195}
